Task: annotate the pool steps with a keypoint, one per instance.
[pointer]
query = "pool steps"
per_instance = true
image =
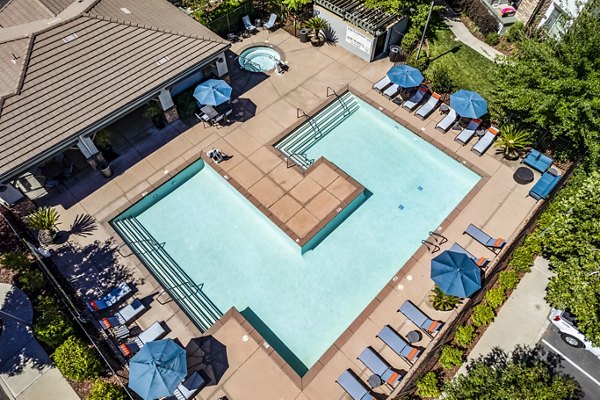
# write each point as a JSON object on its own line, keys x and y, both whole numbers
{"x": 180, "y": 287}
{"x": 296, "y": 144}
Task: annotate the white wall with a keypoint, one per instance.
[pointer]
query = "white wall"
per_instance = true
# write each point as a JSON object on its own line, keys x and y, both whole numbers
{"x": 571, "y": 7}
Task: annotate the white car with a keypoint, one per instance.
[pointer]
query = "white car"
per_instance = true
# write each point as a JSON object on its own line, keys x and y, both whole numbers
{"x": 567, "y": 326}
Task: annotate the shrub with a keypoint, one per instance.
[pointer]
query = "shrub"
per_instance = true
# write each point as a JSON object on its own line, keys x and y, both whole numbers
{"x": 440, "y": 79}
{"x": 31, "y": 280}
{"x": 76, "y": 361}
{"x": 495, "y": 297}
{"x": 508, "y": 279}
{"x": 186, "y": 104}
{"x": 464, "y": 335}
{"x": 52, "y": 327}
{"x": 492, "y": 38}
{"x": 523, "y": 256}
{"x": 428, "y": 385}
{"x": 481, "y": 17}
{"x": 515, "y": 32}
{"x": 483, "y": 314}
{"x": 102, "y": 390}
{"x": 15, "y": 261}
{"x": 442, "y": 301}
{"x": 451, "y": 357}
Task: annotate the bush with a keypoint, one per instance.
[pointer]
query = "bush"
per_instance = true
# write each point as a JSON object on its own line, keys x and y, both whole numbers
{"x": 440, "y": 79}
{"x": 515, "y": 32}
{"x": 464, "y": 335}
{"x": 495, "y": 297}
{"x": 428, "y": 385}
{"x": 442, "y": 301}
{"x": 186, "y": 104}
{"x": 31, "y": 280}
{"x": 483, "y": 314}
{"x": 523, "y": 256}
{"x": 451, "y": 357}
{"x": 106, "y": 391}
{"x": 481, "y": 17}
{"x": 76, "y": 360}
{"x": 508, "y": 280}
{"x": 492, "y": 38}
{"x": 52, "y": 327}
{"x": 15, "y": 261}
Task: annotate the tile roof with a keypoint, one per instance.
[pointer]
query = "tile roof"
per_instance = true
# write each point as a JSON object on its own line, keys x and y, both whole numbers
{"x": 65, "y": 87}
{"x": 17, "y": 12}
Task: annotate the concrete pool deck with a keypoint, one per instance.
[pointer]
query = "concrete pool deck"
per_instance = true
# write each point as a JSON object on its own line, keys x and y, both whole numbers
{"x": 498, "y": 204}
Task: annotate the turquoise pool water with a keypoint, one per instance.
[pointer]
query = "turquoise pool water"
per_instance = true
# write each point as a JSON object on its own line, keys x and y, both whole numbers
{"x": 301, "y": 303}
{"x": 259, "y": 59}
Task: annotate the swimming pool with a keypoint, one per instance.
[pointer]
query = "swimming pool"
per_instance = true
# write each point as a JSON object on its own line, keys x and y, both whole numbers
{"x": 301, "y": 303}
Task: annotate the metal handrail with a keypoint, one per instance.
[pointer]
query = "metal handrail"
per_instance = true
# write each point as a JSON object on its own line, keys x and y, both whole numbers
{"x": 311, "y": 122}
{"x": 152, "y": 242}
{"x": 339, "y": 98}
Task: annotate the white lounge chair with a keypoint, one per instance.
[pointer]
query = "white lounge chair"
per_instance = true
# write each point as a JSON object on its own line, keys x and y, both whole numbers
{"x": 247, "y": 24}
{"x": 447, "y": 122}
{"x": 382, "y": 84}
{"x": 392, "y": 91}
{"x": 123, "y": 316}
{"x": 466, "y": 134}
{"x": 152, "y": 333}
{"x": 485, "y": 142}
{"x": 416, "y": 98}
{"x": 427, "y": 108}
{"x": 271, "y": 22}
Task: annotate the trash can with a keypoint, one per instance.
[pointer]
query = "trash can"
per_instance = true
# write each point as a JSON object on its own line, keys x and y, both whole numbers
{"x": 395, "y": 54}
{"x": 258, "y": 22}
{"x": 304, "y": 35}
{"x": 105, "y": 169}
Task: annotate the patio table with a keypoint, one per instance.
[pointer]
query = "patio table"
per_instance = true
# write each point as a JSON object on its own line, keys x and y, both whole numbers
{"x": 413, "y": 336}
{"x": 210, "y": 111}
{"x": 523, "y": 175}
{"x": 375, "y": 381}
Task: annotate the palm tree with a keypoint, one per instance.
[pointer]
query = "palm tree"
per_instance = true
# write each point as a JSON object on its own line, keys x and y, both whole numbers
{"x": 317, "y": 24}
{"x": 512, "y": 141}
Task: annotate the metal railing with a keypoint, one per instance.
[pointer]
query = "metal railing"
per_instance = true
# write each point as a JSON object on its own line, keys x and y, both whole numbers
{"x": 331, "y": 92}
{"x": 300, "y": 113}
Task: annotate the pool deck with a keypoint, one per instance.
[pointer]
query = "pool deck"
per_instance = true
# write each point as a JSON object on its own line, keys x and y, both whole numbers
{"x": 497, "y": 204}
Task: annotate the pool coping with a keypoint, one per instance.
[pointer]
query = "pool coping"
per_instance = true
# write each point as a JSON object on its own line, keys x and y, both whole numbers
{"x": 272, "y": 46}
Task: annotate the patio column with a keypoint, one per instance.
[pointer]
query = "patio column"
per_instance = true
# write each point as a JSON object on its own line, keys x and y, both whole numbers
{"x": 221, "y": 64}
{"x": 167, "y": 105}
{"x": 93, "y": 156}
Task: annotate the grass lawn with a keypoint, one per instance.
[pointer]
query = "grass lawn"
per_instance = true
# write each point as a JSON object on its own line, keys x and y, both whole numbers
{"x": 467, "y": 68}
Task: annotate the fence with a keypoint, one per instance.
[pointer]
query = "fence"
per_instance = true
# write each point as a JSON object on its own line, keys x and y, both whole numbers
{"x": 232, "y": 21}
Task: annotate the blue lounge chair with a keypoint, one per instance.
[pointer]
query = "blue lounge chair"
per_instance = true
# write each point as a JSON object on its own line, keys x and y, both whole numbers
{"x": 247, "y": 24}
{"x": 416, "y": 98}
{"x": 379, "y": 366}
{"x": 418, "y": 317}
{"x": 538, "y": 161}
{"x": 354, "y": 386}
{"x": 271, "y": 22}
{"x": 466, "y": 134}
{"x": 484, "y": 238}
{"x": 123, "y": 316}
{"x": 481, "y": 261}
{"x": 397, "y": 343}
{"x": 544, "y": 185}
{"x": 112, "y": 298}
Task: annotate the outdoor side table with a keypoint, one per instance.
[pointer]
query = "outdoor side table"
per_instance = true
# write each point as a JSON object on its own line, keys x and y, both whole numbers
{"x": 444, "y": 109}
{"x": 413, "y": 336}
{"x": 523, "y": 175}
{"x": 375, "y": 381}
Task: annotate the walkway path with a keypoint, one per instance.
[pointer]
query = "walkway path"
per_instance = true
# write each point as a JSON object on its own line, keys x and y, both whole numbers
{"x": 464, "y": 35}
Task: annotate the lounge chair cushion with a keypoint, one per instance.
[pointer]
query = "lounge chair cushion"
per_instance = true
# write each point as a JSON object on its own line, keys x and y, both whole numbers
{"x": 466, "y": 134}
{"x": 428, "y": 107}
{"x": 354, "y": 387}
{"x": 190, "y": 386}
{"x": 485, "y": 142}
{"x": 544, "y": 186}
{"x": 382, "y": 84}
{"x": 392, "y": 90}
{"x": 538, "y": 161}
{"x": 481, "y": 261}
{"x": 418, "y": 317}
{"x": 153, "y": 332}
{"x": 416, "y": 98}
{"x": 271, "y": 22}
{"x": 447, "y": 121}
{"x": 112, "y": 298}
{"x": 484, "y": 238}
{"x": 397, "y": 343}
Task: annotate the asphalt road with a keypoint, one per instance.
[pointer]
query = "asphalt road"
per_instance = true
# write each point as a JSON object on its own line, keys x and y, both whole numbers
{"x": 588, "y": 373}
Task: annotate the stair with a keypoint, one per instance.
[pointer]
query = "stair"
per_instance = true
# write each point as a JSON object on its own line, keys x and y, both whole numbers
{"x": 188, "y": 295}
{"x": 296, "y": 144}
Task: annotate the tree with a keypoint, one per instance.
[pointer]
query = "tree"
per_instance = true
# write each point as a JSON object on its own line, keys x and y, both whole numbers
{"x": 525, "y": 374}
{"x": 75, "y": 360}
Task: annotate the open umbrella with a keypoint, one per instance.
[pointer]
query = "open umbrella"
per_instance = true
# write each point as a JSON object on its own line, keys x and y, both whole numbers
{"x": 468, "y": 104}
{"x": 212, "y": 92}
{"x": 157, "y": 369}
{"x": 456, "y": 274}
{"x": 405, "y": 76}
{"x": 208, "y": 356}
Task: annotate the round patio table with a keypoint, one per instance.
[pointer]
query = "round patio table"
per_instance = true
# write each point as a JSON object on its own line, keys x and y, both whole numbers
{"x": 523, "y": 175}
{"x": 444, "y": 108}
{"x": 413, "y": 336}
{"x": 375, "y": 381}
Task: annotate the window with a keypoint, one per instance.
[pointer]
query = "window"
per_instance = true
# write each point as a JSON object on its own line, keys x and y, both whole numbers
{"x": 556, "y": 22}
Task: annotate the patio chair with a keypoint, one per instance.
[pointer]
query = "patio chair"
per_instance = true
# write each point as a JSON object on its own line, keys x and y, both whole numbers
{"x": 538, "y": 161}
{"x": 189, "y": 387}
{"x": 447, "y": 122}
{"x": 416, "y": 98}
{"x": 392, "y": 91}
{"x": 247, "y": 24}
{"x": 484, "y": 238}
{"x": 397, "y": 343}
{"x": 426, "y": 109}
{"x": 153, "y": 332}
{"x": 466, "y": 134}
{"x": 354, "y": 386}
{"x": 382, "y": 84}
{"x": 481, "y": 261}
{"x": 379, "y": 366}
{"x": 418, "y": 317}
{"x": 271, "y": 22}
{"x": 544, "y": 185}
{"x": 67, "y": 169}
{"x": 485, "y": 142}
{"x": 112, "y": 298}
{"x": 122, "y": 317}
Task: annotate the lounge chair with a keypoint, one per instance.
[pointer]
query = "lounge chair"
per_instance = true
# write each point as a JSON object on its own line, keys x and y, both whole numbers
{"x": 397, "y": 343}
{"x": 152, "y": 333}
{"x": 112, "y": 298}
{"x": 447, "y": 122}
{"x": 466, "y": 134}
{"x": 418, "y": 317}
{"x": 544, "y": 185}
{"x": 392, "y": 91}
{"x": 188, "y": 388}
{"x": 271, "y": 22}
{"x": 382, "y": 84}
{"x": 485, "y": 142}
{"x": 379, "y": 366}
{"x": 538, "y": 161}
{"x": 484, "y": 238}
{"x": 354, "y": 386}
{"x": 416, "y": 98}
{"x": 481, "y": 261}
{"x": 247, "y": 24}
{"x": 426, "y": 109}
{"x": 123, "y": 316}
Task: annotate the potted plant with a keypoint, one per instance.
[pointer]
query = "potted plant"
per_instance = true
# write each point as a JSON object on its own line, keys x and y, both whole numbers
{"x": 44, "y": 220}
{"x": 512, "y": 141}
{"x": 154, "y": 114}
{"x": 442, "y": 301}
{"x": 103, "y": 140}
{"x": 317, "y": 24}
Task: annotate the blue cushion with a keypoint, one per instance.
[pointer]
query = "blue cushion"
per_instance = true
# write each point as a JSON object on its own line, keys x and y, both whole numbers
{"x": 544, "y": 186}
{"x": 538, "y": 161}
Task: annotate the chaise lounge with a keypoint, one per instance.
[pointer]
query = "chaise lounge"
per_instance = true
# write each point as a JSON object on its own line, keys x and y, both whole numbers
{"x": 485, "y": 142}
{"x": 426, "y": 109}
{"x": 418, "y": 317}
{"x": 123, "y": 316}
{"x": 466, "y": 134}
{"x": 416, "y": 98}
{"x": 538, "y": 161}
{"x": 110, "y": 299}
{"x": 392, "y": 91}
{"x": 382, "y": 84}
{"x": 271, "y": 22}
{"x": 484, "y": 238}
{"x": 354, "y": 386}
{"x": 189, "y": 387}
{"x": 544, "y": 185}
{"x": 152, "y": 333}
{"x": 397, "y": 343}
{"x": 447, "y": 122}
{"x": 379, "y": 366}
{"x": 247, "y": 24}
{"x": 481, "y": 261}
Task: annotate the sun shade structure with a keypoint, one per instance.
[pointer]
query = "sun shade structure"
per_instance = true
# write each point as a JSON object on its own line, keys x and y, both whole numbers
{"x": 405, "y": 76}
{"x": 456, "y": 274}
{"x": 468, "y": 104}
{"x": 370, "y": 19}
{"x": 209, "y": 356}
{"x": 157, "y": 369}
{"x": 212, "y": 92}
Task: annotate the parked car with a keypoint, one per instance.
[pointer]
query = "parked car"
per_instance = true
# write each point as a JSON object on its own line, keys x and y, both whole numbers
{"x": 567, "y": 326}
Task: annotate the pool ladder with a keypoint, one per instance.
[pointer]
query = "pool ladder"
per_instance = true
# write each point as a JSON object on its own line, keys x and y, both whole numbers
{"x": 434, "y": 246}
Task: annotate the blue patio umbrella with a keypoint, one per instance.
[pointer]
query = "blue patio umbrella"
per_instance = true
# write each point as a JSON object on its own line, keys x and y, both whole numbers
{"x": 212, "y": 92}
{"x": 157, "y": 369}
{"x": 468, "y": 104}
{"x": 456, "y": 274}
{"x": 405, "y": 76}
